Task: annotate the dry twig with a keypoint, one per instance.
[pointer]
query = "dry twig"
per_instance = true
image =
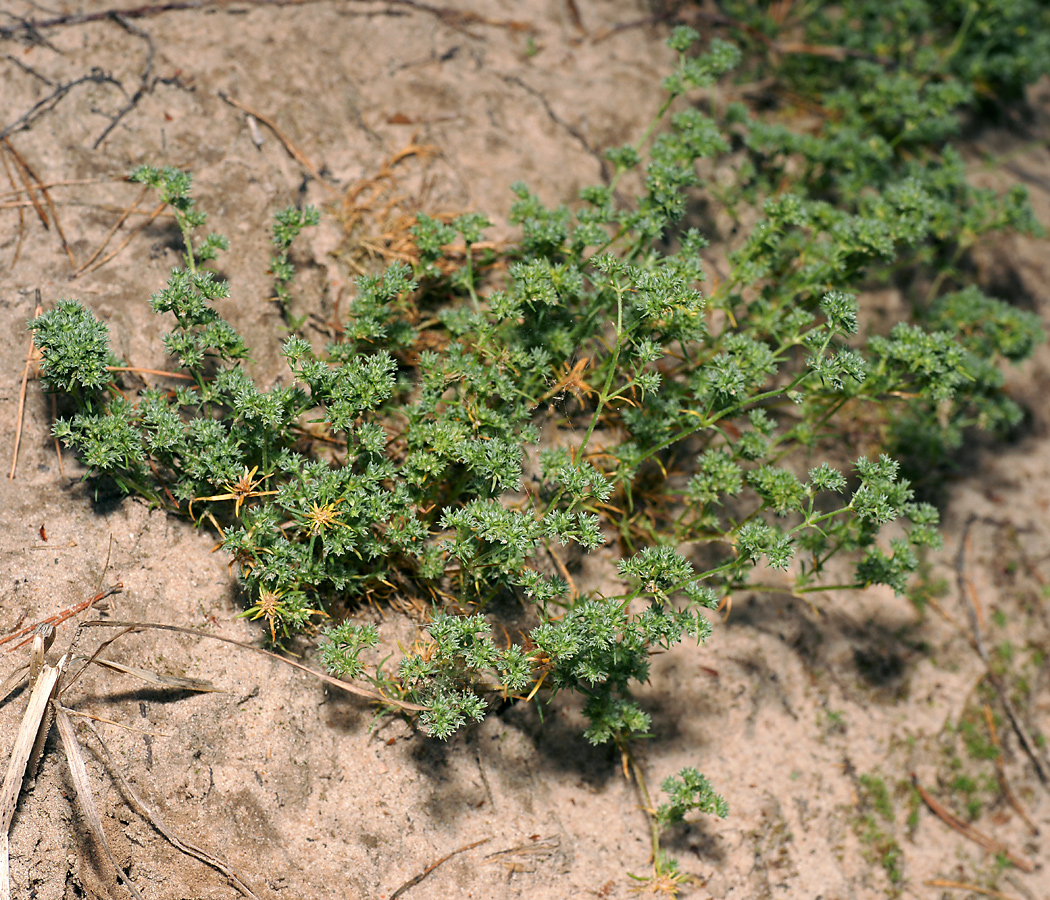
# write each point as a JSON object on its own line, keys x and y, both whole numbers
{"x": 966, "y": 589}
{"x": 289, "y": 144}
{"x": 58, "y": 618}
{"x": 1000, "y": 766}
{"x": 27, "y": 182}
{"x": 412, "y": 882}
{"x": 48, "y": 103}
{"x": 27, "y": 173}
{"x": 123, "y": 218}
{"x": 327, "y": 679}
{"x": 21, "y": 212}
{"x": 968, "y": 831}
{"x": 147, "y": 812}
{"x": 145, "y": 85}
{"x": 127, "y": 240}
{"x": 31, "y": 356}
{"x": 961, "y": 886}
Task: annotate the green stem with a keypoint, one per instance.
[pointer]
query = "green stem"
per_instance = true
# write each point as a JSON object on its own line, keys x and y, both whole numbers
{"x": 605, "y": 395}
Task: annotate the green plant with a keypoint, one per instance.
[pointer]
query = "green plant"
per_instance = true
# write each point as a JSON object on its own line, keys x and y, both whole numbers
{"x": 884, "y": 88}
{"x": 708, "y": 437}
{"x": 288, "y": 224}
{"x": 875, "y": 828}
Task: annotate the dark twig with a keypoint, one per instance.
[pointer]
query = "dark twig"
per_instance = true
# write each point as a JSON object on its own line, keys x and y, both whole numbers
{"x": 967, "y": 591}
{"x": 33, "y": 26}
{"x": 1021, "y": 731}
{"x": 29, "y": 70}
{"x": 26, "y": 31}
{"x": 574, "y": 14}
{"x": 145, "y": 85}
{"x": 135, "y": 12}
{"x": 22, "y": 123}
{"x": 571, "y": 129}
{"x": 451, "y": 16}
{"x": 21, "y": 211}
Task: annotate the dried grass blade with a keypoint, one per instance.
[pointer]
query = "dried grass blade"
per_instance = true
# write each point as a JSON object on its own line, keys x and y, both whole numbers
{"x": 327, "y": 679}
{"x": 143, "y": 809}
{"x": 28, "y": 733}
{"x": 58, "y": 224}
{"x": 105, "y": 242}
{"x": 34, "y": 715}
{"x": 89, "y": 659}
{"x": 20, "y": 414}
{"x": 47, "y": 199}
{"x": 972, "y": 888}
{"x": 412, "y": 882}
{"x": 289, "y": 145}
{"x": 1000, "y": 766}
{"x": 76, "y": 713}
{"x": 23, "y": 173}
{"x": 87, "y": 800}
{"x": 12, "y": 681}
{"x": 171, "y": 681}
{"x": 127, "y": 240}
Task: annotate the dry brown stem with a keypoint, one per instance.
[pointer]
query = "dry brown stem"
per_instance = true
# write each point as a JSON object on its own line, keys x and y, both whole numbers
{"x": 968, "y": 831}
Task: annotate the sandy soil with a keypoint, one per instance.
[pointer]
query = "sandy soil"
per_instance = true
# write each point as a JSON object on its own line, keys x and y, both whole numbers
{"x": 798, "y": 715}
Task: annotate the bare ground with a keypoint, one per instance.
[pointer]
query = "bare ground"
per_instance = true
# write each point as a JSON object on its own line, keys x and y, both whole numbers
{"x": 797, "y": 714}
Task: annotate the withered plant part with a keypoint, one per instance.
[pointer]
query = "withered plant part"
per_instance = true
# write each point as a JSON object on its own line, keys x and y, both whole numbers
{"x": 48, "y": 683}
{"x": 969, "y": 595}
{"x": 32, "y": 184}
{"x": 45, "y": 703}
{"x": 412, "y": 882}
{"x": 293, "y": 150}
{"x": 968, "y": 831}
{"x": 238, "y": 491}
{"x": 32, "y": 358}
{"x": 378, "y": 214}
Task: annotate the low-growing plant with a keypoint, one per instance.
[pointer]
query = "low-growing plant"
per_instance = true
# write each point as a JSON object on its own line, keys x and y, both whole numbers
{"x": 875, "y": 828}
{"x": 705, "y": 437}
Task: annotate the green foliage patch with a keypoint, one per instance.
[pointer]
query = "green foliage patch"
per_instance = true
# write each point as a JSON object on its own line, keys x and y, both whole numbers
{"x": 708, "y": 438}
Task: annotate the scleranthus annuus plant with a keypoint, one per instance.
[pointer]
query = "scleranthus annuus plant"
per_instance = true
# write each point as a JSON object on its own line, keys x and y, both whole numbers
{"x": 700, "y": 435}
